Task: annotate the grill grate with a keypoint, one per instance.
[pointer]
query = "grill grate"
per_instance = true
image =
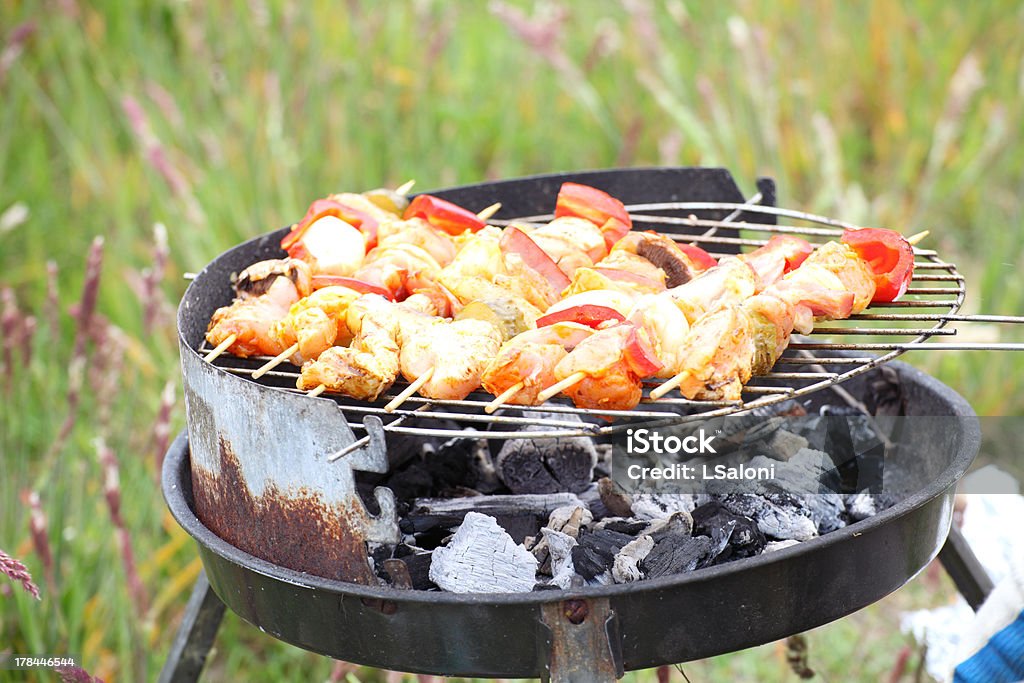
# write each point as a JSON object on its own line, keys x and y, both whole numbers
{"x": 808, "y": 365}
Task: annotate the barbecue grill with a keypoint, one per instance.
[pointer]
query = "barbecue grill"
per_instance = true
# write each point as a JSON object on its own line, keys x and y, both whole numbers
{"x": 265, "y": 480}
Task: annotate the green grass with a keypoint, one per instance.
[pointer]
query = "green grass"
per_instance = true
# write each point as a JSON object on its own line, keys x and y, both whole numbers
{"x": 897, "y": 114}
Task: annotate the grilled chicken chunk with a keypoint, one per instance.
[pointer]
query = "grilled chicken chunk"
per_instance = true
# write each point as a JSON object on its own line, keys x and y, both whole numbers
{"x": 530, "y": 357}
{"x": 279, "y": 283}
{"x": 458, "y": 353}
{"x": 718, "y": 355}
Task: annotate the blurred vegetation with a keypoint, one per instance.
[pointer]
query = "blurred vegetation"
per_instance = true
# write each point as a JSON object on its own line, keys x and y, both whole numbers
{"x": 213, "y": 122}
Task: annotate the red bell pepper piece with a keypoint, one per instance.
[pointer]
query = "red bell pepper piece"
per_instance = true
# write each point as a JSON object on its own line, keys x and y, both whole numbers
{"x": 596, "y": 206}
{"x": 793, "y": 249}
{"x": 518, "y": 242}
{"x": 352, "y": 283}
{"x": 701, "y": 259}
{"x": 591, "y": 315}
{"x": 639, "y": 354}
{"x": 361, "y": 220}
{"x": 890, "y": 257}
{"x": 443, "y": 215}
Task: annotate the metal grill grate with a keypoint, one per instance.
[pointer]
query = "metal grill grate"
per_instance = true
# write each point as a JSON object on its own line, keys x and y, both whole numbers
{"x": 811, "y": 363}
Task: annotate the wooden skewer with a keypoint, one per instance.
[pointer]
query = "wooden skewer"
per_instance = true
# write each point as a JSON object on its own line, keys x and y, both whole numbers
{"x": 503, "y": 397}
{"x": 559, "y": 387}
{"x": 275, "y": 361}
{"x": 669, "y": 385}
{"x": 413, "y": 387}
{"x": 316, "y": 391}
{"x": 486, "y": 213}
{"x": 405, "y": 187}
{"x": 914, "y": 239}
{"x": 221, "y": 348}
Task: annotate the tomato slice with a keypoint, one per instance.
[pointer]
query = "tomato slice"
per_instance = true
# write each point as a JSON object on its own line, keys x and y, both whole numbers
{"x": 590, "y": 315}
{"x": 518, "y": 242}
{"x": 701, "y": 259}
{"x": 443, "y": 215}
{"x": 361, "y": 220}
{"x": 890, "y": 257}
{"x": 596, "y": 206}
{"x": 639, "y": 354}
{"x": 353, "y": 284}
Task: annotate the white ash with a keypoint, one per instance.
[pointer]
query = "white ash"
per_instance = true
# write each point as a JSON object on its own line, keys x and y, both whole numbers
{"x": 772, "y": 546}
{"x": 482, "y": 558}
{"x": 661, "y": 505}
{"x": 861, "y": 506}
{"x": 569, "y": 518}
{"x": 560, "y": 547}
{"x": 781, "y": 522}
{"x": 625, "y": 567}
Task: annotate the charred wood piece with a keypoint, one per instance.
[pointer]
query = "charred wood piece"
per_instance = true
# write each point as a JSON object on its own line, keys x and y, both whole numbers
{"x": 626, "y": 565}
{"x": 595, "y": 552}
{"x": 546, "y": 465}
{"x": 746, "y": 540}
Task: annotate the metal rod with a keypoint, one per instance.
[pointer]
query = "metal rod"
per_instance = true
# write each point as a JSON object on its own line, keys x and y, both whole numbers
{"x": 911, "y": 346}
{"x": 882, "y": 331}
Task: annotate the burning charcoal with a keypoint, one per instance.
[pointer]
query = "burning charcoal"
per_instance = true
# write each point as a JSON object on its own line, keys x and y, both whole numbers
{"x": 482, "y": 558}
{"x": 596, "y": 550}
{"x": 546, "y": 465}
{"x": 625, "y": 567}
{"x": 560, "y": 547}
{"x": 746, "y": 540}
{"x": 615, "y": 500}
{"x": 676, "y": 553}
{"x": 657, "y": 505}
{"x": 781, "y": 517}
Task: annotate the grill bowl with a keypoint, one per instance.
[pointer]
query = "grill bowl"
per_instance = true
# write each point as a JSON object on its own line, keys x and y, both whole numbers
{"x": 673, "y": 619}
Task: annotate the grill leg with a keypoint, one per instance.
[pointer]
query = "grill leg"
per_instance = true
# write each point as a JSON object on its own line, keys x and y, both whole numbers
{"x": 584, "y": 645}
{"x": 963, "y": 567}
{"x": 192, "y": 644}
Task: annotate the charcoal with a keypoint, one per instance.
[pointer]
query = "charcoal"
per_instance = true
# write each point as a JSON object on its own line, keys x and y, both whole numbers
{"x": 658, "y": 505}
{"x": 779, "y": 516}
{"x": 678, "y": 523}
{"x": 560, "y": 547}
{"x": 596, "y": 550}
{"x": 569, "y": 519}
{"x": 546, "y": 465}
{"x": 746, "y": 539}
{"x": 826, "y": 511}
{"x": 410, "y": 571}
{"x": 626, "y": 566}
{"x": 482, "y": 558}
{"x": 533, "y": 510}
{"x": 863, "y": 505}
{"x": 623, "y": 525}
{"x": 784, "y": 444}
{"x": 676, "y": 553}
{"x": 603, "y": 467}
{"x": 614, "y": 499}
